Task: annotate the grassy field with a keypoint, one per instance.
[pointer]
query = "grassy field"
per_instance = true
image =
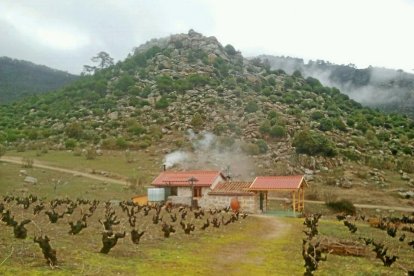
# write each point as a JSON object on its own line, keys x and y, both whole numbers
{"x": 67, "y": 185}
{"x": 142, "y": 165}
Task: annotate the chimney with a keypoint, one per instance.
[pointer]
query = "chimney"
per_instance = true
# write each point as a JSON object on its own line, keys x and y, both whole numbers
{"x": 164, "y": 167}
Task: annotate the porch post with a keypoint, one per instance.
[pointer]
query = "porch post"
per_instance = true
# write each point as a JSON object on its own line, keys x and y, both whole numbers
{"x": 294, "y": 202}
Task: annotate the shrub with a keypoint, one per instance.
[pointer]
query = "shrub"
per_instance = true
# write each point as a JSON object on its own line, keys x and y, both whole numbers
{"x": 121, "y": 143}
{"x": 70, "y": 143}
{"x": 317, "y": 115}
{"x": 339, "y": 124}
{"x": 343, "y": 206}
{"x": 313, "y": 143}
{"x": 161, "y": 103}
{"x": 325, "y": 124}
{"x": 265, "y": 127}
{"x": 262, "y": 146}
{"x": 74, "y": 130}
{"x": 230, "y": 49}
{"x": 251, "y": 107}
{"x": 197, "y": 121}
{"x": 277, "y": 132}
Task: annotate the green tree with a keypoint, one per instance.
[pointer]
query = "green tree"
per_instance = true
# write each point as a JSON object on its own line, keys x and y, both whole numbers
{"x": 103, "y": 59}
{"x": 312, "y": 143}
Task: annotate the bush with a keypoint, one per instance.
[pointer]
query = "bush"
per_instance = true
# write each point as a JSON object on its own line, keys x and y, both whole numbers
{"x": 161, "y": 103}
{"x": 278, "y": 132}
{"x": 74, "y": 130}
{"x": 313, "y": 143}
{"x": 262, "y": 146}
{"x": 230, "y": 49}
{"x": 121, "y": 143}
{"x": 317, "y": 115}
{"x": 251, "y": 107}
{"x": 70, "y": 143}
{"x": 325, "y": 124}
{"x": 343, "y": 206}
{"x": 197, "y": 121}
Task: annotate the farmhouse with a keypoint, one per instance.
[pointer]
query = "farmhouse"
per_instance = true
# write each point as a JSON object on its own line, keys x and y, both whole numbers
{"x": 211, "y": 189}
{"x": 187, "y": 187}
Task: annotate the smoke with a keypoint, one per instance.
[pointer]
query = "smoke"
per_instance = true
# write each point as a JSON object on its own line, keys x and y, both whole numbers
{"x": 210, "y": 152}
{"x": 175, "y": 157}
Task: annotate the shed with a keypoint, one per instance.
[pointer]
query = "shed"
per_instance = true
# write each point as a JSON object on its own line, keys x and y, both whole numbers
{"x": 293, "y": 183}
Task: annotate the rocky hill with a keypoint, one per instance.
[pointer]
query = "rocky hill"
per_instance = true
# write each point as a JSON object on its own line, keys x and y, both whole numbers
{"x": 238, "y": 111}
{"x": 386, "y": 89}
{"x": 19, "y": 78}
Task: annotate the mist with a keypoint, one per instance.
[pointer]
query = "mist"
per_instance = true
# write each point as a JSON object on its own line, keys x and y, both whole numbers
{"x": 373, "y": 86}
{"x": 208, "y": 152}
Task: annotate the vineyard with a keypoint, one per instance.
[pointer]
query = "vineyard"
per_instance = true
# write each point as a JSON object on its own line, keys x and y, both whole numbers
{"x": 102, "y": 225}
{"x": 90, "y": 237}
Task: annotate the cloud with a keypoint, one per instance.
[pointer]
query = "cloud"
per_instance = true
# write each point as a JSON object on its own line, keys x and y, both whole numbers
{"x": 66, "y": 34}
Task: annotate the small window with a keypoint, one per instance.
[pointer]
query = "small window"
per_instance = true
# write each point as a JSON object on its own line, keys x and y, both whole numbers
{"x": 197, "y": 192}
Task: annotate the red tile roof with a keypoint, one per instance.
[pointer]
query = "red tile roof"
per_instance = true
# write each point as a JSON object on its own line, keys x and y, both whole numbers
{"x": 290, "y": 182}
{"x": 171, "y": 178}
{"x": 232, "y": 188}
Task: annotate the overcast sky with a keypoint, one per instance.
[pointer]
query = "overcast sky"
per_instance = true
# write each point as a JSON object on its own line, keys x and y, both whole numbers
{"x": 66, "y": 34}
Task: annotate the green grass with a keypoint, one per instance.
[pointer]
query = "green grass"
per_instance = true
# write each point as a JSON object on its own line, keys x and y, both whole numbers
{"x": 68, "y": 184}
{"x": 369, "y": 265}
{"x": 144, "y": 165}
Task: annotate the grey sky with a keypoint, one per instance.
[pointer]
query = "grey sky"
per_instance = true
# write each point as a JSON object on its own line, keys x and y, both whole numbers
{"x": 66, "y": 34}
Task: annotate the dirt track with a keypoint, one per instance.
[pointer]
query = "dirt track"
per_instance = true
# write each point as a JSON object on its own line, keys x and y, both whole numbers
{"x": 37, "y": 164}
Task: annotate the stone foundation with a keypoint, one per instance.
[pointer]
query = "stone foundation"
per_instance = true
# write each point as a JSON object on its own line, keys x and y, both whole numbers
{"x": 248, "y": 204}
{"x": 180, "y": 200}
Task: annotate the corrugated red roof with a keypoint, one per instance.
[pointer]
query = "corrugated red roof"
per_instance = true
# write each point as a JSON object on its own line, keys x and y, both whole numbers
{"x": 172, "y": 178}
{"x": 232, "y": 188}
{"x": 290, "y": 182}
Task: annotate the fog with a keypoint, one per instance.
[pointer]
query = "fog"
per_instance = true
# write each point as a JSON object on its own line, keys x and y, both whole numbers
{"x": 371, "y": 86}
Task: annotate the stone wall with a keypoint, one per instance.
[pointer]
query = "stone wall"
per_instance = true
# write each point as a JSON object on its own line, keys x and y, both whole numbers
{"x": 248, "y": 204}
{"x": 184, "y": 192}
{"x": 180, "y": 200}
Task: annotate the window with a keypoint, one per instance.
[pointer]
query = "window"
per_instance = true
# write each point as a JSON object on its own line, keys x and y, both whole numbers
{"x": 197, "y": 192}
{"x": 173, "y": 191}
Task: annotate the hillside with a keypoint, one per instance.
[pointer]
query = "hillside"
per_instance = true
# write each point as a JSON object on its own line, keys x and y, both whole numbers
{"x": 240, "y": 113}
{"x": 386, "y": 89}
{"x": 19, "y": 78}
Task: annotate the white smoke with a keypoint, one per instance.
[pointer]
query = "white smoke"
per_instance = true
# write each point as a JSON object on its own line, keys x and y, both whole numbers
{"x": 174, "y": 158}
{"x": 208, "y": 153}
